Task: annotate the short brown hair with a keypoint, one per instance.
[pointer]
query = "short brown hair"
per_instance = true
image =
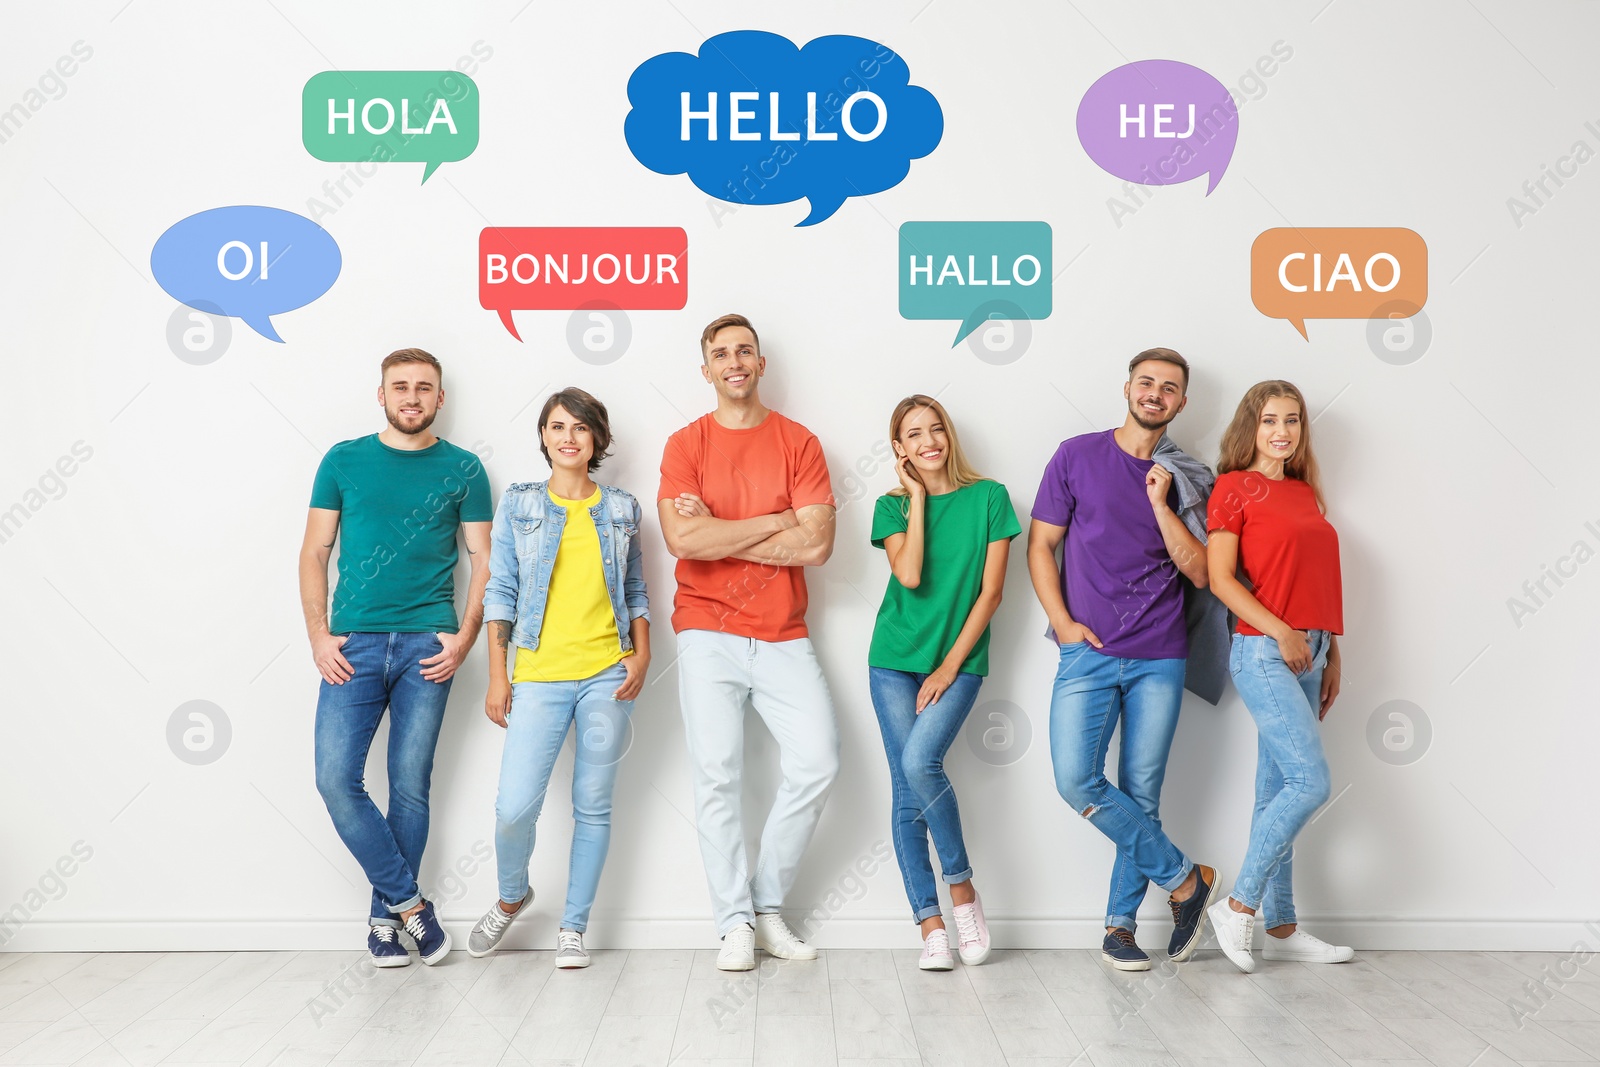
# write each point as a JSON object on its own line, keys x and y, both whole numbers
{"x": 408, "y": 355}
{"x": 1164, "y": 355}
{"x": 587, "y": 410}
{"x": 722, "y": 323}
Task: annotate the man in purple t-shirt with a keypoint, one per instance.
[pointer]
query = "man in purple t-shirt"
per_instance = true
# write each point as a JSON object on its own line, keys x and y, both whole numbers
{"x": 1115, "y": 605}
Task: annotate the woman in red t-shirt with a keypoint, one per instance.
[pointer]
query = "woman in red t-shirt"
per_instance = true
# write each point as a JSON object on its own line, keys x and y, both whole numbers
{"x": 1267, "y": 520}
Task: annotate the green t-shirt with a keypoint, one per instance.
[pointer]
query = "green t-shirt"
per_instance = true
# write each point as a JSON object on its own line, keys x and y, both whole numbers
{"x": 916, "y": 628}
{"x": 398, "y": 514}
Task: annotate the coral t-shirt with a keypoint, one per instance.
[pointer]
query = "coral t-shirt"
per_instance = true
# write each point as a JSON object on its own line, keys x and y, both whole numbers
{"x": 1287, "y": 548}
{"x": 741, "y": 474}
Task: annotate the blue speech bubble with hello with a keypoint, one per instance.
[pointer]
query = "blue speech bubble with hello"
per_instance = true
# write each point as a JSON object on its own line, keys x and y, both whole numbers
{"x": 753, "y": 119}
{"x": 247, "y": 262}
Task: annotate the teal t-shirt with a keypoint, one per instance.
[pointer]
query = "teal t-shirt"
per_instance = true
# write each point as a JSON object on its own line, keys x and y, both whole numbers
{"x": 398, "y": 515}
{"x": 916, "y": 628}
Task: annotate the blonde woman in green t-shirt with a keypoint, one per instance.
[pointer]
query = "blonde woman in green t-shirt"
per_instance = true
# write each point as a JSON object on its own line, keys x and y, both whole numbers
{"x": 947, "y": 531}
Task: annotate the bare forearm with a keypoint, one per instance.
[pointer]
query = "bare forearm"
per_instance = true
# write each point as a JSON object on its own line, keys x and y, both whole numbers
{"x": 499, "y": 648}
{"x": 978, "y": 619}
{"x": 1045, "y": 573}
{"x": 472, "y": 618}
{"x": 639, "y": 631}
{"x": 806, "y": 545}
{"x": 314, "y": 592}
{"x": 705, "y": 537}
{"x": 1184, "y": 548}
{"x": 907, "y": 564}
{"x": 1243, "y": 603}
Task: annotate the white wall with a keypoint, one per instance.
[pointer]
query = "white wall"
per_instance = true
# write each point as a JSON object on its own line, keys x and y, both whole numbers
{"x": 165, "y": 571}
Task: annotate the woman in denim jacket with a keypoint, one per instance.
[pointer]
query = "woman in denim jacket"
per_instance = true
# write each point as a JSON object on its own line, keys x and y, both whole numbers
{"x": 566, "y": 590}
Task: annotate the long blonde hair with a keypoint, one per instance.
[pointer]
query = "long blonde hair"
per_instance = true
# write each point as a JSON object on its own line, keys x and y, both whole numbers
{"x": 955, "y": 462}
{"x": 1238, "y": 450}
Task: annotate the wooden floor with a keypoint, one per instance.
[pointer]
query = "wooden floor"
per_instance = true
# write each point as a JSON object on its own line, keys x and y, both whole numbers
{"x": 850, "y": 1007}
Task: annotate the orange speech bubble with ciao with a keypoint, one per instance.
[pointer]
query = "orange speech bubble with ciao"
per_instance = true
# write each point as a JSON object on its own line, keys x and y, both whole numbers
{"x": 1338, "y": 272}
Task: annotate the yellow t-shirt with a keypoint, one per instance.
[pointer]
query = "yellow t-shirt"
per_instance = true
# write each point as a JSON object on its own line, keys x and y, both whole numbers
{"x": 579, "y": 636}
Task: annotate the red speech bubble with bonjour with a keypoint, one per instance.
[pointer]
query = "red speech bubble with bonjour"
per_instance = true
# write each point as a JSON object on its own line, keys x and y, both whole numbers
{"x": 556, "y": 268}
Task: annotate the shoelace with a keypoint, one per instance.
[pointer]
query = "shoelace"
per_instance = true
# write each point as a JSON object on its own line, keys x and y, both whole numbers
{"x": 414, "y": 927}
{"x": 384, "y": 933}
{"x": 1177, "y": 911}
{"x": 967, "y": 924}
{"x": 779, "y": 930}
{"x": 1246, "y": 929}
{"x": 569, "y": 941}
{"x": 495, "y": 921}
{"x": 936, "y": 943}
{"x": 1124, "y": 937}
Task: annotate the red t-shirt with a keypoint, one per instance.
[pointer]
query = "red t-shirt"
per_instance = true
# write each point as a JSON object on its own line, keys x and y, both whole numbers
{"x": 741, "y": 474}
{"x": 1287, "y": 548}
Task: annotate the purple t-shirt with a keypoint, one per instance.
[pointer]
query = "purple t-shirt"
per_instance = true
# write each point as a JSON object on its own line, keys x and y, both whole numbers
{"x": 1116, "y": 575}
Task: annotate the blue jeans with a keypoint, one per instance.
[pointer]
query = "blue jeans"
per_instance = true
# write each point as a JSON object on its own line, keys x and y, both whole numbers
{"x": 1091, "y": 693}
{"x": 1292, "y": 779}
{"x": 387, "y": 676}
{"x": 541, "y": 715}
{"x": 924, "y": 802}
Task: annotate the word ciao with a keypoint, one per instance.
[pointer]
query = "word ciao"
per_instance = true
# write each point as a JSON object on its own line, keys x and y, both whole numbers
{"x": 1338, "y": 273}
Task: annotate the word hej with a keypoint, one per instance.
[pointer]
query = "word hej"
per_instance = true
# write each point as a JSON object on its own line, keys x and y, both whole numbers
{"x": 1338, "y": 273}
{"x": 1159, "y": 122}
{"x": 400, "y": 116}
{"x": 545, "y": 268}
{"x": 246, "y": 262}
{"x": 975, "y": 271}
{"x": 752, "y": 119}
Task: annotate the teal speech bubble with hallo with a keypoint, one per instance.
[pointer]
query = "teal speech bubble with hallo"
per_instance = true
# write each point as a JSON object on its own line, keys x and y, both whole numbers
{"x": 975, "y": 272}
{"x": 390, "y": 116}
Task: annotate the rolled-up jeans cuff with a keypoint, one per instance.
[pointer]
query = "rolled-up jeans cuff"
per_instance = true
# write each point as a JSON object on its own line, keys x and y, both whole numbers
{"x": 401, "y": 909}
{"x": 1127, "y": 922}
{"x": 926, "y": 913}
{"x": 1188, "y": 865}
{"x": 953, "y": 879}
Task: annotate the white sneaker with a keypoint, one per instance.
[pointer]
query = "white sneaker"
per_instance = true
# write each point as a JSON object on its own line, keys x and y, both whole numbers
{"x": 774, "y": 937}
{"x": 569, "y": 949}
{"x": 738, "y": 950}
{"x": 1235, "y": 932}
{"x": 972, "y": 932}
{"x": 1301, "y": 947}
{"x": 936, "y": 952}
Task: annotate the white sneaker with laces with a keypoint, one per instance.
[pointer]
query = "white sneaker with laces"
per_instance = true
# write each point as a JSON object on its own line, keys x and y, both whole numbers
{"x": 972, "y": 932}
{"x": 738, "y": 950}
{"x": 1235, "y": 932}
{"x": 774, "y": 937}
{"x": 1301, "y": 947}
{"x": 569, "y": 949}
{"x": 936, "y": 952}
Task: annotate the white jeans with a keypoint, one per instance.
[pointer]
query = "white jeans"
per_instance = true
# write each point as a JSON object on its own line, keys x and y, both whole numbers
{"x": 783, "y": 681}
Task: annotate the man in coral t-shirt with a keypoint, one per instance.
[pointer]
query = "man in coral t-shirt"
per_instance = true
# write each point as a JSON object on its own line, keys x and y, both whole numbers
{"x": 746, "y": 505}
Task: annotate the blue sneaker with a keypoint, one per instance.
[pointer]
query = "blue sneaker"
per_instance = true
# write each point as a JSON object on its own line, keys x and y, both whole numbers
{"x": 1121, "y": 951}
{"x": 432, "y": 941}
{"x": 1189, "y": 916}
{"x": 385, "y": 948}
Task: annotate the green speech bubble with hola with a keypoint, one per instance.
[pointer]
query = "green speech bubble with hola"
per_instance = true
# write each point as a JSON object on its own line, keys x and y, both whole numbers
{"x": 975, "y": 271}
{"x": 390, "y": 116}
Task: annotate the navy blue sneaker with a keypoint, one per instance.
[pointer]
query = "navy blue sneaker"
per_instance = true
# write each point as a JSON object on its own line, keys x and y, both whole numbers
{"x": 432, "y": 941}
{"x": 1121, "y": 951}
{"x": 383, "y": 945}
{"x": 1189, "y": 916}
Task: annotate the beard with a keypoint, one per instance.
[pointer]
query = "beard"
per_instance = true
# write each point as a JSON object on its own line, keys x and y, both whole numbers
{"x": 1147, "y": 423}
{"x": 422, "y": 422}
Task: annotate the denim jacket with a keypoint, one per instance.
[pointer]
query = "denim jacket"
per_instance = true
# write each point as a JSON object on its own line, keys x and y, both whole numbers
{"x": 522, "y": 554}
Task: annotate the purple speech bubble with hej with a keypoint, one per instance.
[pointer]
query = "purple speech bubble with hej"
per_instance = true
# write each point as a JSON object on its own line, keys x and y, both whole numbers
{"x": 1159, "y": 122}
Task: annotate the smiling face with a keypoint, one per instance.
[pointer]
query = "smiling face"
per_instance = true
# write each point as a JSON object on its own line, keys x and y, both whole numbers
{"x": 411, "y": 396}
{"x": 568, "y": 441}
{"x": 733, "y": 363}
{"x": 923, "y": 440}
{"x": 1154, "y": 392}
{"x": 1277, "y": 431}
